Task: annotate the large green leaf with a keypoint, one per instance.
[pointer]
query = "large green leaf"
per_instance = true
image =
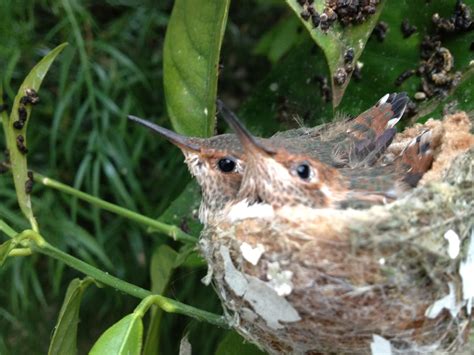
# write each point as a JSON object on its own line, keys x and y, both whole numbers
{"x": 123, "y": 338}
{"x": 18, "y": 159}
{"x": 190, "y": 59}
{"x": 161, "y": 268}
{"x": 337, "y": 40}
{"x": 64, "y": 341}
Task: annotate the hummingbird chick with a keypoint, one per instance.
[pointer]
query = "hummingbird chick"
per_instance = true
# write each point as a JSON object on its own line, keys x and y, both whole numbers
{"x": 218, "y": 162}
{"x": 215, "y": 163}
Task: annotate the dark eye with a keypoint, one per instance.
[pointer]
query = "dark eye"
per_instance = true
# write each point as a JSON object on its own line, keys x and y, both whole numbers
{"x": 303, "y": 171}
{"x": 226, "y": 165}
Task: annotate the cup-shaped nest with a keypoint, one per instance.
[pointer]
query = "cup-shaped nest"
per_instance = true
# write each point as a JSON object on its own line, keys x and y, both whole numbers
{"x": 397, "y": 277}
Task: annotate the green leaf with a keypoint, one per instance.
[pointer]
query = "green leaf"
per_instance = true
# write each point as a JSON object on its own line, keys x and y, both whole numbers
{"x": 182, "y": 211}
{"x": 190, "y": 60}
{"x": 279, "y": 39}
{"x": 124, "y": 338}
{"x": 337, "y": 40}
{"x": 64, "y": 339}
{"x": 234, "y": 344}
{"x": 161, "y": 268}
{"x": 5, "y": 249}
{"x": 289, "y": 91}
{"x": 18, "y": 160}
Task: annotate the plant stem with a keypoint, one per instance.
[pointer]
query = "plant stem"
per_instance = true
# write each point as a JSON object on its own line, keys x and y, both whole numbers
{"x": 5, "y": 228}
{"x": 39, "y": 245}
{"x": 169, "y": 230}
{"x": 20, "y": 252}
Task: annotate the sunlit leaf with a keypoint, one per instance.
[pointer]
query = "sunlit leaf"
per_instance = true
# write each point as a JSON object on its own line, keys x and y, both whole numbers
{"x": 190, "y": 59}
{"x": 123, "y": 338}
{"x": 337, "y": 40}
{"x": 18, "y": 159}
{"x": 64, "y": 339}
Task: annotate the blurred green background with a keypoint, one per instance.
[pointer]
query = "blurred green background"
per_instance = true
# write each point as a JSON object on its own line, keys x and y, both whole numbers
{"x": 79, "y": 135}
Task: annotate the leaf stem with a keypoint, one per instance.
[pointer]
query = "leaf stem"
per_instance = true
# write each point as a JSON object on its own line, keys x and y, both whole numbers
{"x": 169, "y": 230}
{"x": 38, "y": 244}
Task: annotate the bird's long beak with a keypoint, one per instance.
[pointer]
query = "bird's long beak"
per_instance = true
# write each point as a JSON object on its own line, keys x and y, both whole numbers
{"x": 183, "y": 142}
{"x": 249, "y": 143}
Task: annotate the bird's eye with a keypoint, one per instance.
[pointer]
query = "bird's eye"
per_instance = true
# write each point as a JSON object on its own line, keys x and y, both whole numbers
{"x": 226, "y": 164}
{"x": 304, "y": 171}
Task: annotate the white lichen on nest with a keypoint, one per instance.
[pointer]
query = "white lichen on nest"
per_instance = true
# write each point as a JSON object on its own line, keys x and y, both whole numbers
{"x": 418, "y": 298}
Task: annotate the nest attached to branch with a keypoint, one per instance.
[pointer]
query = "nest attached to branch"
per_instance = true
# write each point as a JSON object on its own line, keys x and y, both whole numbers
{"x": 389, "y": 278}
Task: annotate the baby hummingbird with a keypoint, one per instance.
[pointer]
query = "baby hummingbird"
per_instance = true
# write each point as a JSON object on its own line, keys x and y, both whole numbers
{"x": 215, "y": 163}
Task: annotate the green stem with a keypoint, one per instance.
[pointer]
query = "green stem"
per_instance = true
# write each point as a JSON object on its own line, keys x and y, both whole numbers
{"x": 20, "y": 252}
{"x": 169, "y": 230}
{"x": 5, "y": 228}
{"x": 39, "y": 245}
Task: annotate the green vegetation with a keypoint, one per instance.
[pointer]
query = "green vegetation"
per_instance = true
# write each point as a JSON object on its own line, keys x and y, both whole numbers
{"x": 90, "y": 227}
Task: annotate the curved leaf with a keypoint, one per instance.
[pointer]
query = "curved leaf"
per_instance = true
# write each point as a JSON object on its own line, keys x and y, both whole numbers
{"x": 337, "y": 40}
{"x": 123, "y": 338}
{"x": 64, "y": 339}
{"x": 190, "y": 60}
{"x": 18, "y": 159}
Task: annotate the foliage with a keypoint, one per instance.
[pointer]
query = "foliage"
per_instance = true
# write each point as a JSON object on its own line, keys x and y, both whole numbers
{"x": 118, "y": 62}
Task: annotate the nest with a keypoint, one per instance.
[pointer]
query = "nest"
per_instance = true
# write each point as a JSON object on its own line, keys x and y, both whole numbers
{"x": 389, "y": 278}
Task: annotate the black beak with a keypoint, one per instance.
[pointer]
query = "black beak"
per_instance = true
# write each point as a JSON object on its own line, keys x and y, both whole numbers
{"x": 249, "y": 143}
{"x": 182, "y": 142}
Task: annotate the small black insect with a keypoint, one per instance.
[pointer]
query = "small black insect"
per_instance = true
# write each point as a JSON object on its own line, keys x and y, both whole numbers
{"x": 25, "y": 100}
{"x": 29, "y": 183}
{"x": 20, "y": 144}
{"x": 18, "y": 124}
{"x": 31, "y": 97}
{"x": 349, "y": 55}
{"x": 407, "y": 29}
{"x": 404, "y": 76}
{"x": 315, "y": 19}
{"x": 340, "y": 76}
{"x": 380, "y": 31}
{"x": 305, "y": 15}
{"x": 22, "y": 114}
